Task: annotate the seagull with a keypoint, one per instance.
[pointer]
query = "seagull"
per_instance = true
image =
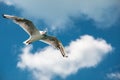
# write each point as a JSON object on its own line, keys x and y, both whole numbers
{"x": 35, "y": 34}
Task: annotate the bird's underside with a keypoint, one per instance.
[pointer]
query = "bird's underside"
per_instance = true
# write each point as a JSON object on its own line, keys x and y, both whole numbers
{"x": 35, "y": 34}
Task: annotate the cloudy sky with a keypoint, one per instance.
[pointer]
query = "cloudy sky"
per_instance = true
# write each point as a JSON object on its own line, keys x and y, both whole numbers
{"x": 88, "y": 29}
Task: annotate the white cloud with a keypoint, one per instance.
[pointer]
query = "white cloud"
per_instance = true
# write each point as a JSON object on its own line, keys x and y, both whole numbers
{"x": 56, "y": 12}
{"x": 7, "y": 2}
{"x": 114, "y": 76}
{"x": 84, "y": 52}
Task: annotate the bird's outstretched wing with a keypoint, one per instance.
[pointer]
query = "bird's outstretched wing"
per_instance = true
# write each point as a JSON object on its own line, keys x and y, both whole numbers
{"x": 55, "y": 43}
{"x": 27, "y": 25}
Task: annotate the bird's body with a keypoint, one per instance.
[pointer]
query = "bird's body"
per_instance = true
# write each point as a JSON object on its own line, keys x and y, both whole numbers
{"x": 35, "y": 34}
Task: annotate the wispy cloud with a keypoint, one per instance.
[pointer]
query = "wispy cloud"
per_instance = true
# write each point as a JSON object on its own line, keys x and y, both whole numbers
{"x": 114, "y": 76}
{"x": 56, "y": 12}
{"x": 8, "y": 2}
{"x": 84, "y": 52}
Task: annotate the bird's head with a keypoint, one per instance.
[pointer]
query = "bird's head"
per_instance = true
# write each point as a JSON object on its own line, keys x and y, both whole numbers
{"x": 43, "y": 32}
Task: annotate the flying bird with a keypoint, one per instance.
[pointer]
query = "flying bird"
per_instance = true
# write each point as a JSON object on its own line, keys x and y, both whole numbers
{"x": 35, "y": 34}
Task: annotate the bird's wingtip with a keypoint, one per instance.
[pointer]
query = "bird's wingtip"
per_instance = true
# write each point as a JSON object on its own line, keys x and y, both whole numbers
{"x": 65, "y": 56}
{"x": 6, "y": 15}
{"x": 3, "y": 15}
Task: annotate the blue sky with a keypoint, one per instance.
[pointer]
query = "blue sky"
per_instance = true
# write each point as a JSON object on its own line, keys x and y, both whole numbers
{"x": 89, "y": 32}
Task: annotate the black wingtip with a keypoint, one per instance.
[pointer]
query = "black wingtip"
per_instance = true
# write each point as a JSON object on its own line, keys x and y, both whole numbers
{"x": 3, "y": 15}
{"x": 65, "y": 56}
